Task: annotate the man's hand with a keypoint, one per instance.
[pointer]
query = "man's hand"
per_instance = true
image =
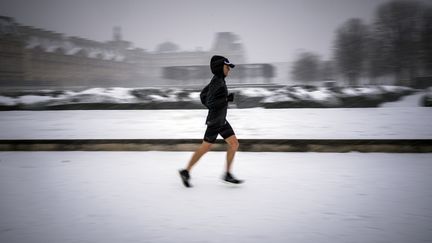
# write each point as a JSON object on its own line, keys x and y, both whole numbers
{"x": 230, "y": 97}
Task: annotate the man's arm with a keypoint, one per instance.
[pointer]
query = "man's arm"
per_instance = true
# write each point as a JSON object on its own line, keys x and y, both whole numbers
{"x": 217, "y": 97}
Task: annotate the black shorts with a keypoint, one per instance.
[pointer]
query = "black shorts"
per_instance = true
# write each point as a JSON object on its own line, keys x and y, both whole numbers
{"x": 212, "y": 132}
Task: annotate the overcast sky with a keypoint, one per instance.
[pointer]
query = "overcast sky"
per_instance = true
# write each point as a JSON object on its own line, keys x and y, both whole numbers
{"x": 271, "y": 30}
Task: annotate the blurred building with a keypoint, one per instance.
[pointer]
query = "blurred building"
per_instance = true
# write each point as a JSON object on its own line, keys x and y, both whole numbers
{"x": 34, "y": 57}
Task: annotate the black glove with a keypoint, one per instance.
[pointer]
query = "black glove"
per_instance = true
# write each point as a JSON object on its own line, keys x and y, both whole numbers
{"x": 230, "y": 97}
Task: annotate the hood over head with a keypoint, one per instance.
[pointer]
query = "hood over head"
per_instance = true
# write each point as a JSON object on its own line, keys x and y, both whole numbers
{"x": 217, "y": 63}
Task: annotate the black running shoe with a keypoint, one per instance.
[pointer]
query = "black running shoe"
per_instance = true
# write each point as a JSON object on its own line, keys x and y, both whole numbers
{"x": 228, "y": 177}
{"x": 184, "y": 174}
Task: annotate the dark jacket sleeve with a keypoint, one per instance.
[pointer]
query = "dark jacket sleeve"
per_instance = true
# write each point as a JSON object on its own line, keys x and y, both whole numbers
{"x": 217, "y": 96}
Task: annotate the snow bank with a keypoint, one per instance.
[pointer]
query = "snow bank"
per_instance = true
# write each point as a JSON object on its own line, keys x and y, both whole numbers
{"x": 301, "y": 96}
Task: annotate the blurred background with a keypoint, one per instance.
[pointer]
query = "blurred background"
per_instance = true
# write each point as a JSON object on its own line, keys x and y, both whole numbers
{"x": 155, "y": 54}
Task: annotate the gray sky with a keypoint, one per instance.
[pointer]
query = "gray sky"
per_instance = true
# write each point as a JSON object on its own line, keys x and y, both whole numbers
{"x": 271, "y": 30}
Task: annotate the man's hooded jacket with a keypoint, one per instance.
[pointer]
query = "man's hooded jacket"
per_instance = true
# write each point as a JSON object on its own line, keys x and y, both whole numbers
{"x": 217, "y": 95}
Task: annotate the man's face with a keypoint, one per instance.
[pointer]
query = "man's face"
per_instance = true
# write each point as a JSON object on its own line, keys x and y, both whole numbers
{"x": 226, "y": 70}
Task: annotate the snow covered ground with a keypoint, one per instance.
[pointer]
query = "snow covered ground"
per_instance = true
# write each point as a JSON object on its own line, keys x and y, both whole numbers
{"x": 108, "y": 197}
{"x": 354, "y": 123}
{"x": 403, "y": 119}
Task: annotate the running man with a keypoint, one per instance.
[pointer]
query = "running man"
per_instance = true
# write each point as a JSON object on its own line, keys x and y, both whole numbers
{"x": 216, "y": 99}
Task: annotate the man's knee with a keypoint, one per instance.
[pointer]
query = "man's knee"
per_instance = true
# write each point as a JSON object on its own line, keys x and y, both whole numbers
{"x": 205, "y": 146}
{"x": 234, "y": 145}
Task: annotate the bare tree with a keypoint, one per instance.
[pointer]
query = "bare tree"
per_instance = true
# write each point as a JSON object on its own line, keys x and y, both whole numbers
{"x": 376, "y": 64}
{"x": 398, "y": 30}
{"x": 426, "y": 41}
{"x": 306, "y": 67}
{"x": 350, "y": 49}
{"x": 327, "y": 71}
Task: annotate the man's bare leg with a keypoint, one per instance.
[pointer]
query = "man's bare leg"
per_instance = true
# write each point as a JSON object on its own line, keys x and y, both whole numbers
{"x": 203, "y": 148}
{"x": 233, "y": 145}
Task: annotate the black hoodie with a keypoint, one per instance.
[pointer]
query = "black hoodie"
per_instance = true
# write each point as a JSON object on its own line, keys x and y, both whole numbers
{"x": 217, "y": 96}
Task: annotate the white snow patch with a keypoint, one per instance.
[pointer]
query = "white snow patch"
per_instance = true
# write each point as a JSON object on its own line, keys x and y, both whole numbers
{"x": 104, "y": 94}
{"x": 277, "y": 98}
{"x": 322, "y": 94}
{"x": 8, "y": 101}
{"x": 33, "y": 99}
{"x": 194, "y": 95}
{"x": 255, "y": 92}
{"x": 301, "y": 93}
